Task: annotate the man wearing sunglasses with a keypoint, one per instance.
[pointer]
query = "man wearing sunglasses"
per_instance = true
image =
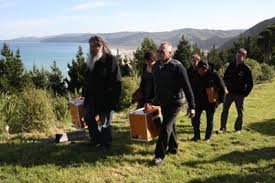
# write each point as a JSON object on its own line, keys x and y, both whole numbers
{"x": 239, "y": 82}
{"x": 171, "y": 80}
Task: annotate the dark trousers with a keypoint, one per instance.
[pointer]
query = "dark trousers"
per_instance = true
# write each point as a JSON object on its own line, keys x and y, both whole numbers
{"x": 239, "y": 100}
{"x": 196, "y": 121}
{"x": 167, "y": 137}
{"x": 100, "y": 132}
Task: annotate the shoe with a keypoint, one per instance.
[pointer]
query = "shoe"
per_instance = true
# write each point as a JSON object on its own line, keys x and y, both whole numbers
{"x": 156, "y": 161}
{"x": 222, "y": 130}
{"x": 238, "y": 132}
{"x": 195, "y": 139}
{"x": 207, "y": 140}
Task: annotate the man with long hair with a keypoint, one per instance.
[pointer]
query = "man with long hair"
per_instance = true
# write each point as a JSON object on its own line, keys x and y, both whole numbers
{"x": 101, "y": 91}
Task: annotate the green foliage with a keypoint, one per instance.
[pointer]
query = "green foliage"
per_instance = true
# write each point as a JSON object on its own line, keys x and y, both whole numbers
{"x": 56, "y": 81}
{"x": 147, "y": 45}
{"x": 34, "y": 112}
{"x": 8, "y": 110}
{"x": 267, "y": 72}
{"x": 76, "y": 73}
{"x": 129, "y": 85}
{"x": 183, "y": 52}
{"x": 213, "y": 57}
{"x": 266, "y": 41}
{"x": 12, "y": 73}
{"x": 255, "y": 69}
{"x": 39, "y": 77}
{"x": 197, "y": 50}
{"x": 60, "y": 108}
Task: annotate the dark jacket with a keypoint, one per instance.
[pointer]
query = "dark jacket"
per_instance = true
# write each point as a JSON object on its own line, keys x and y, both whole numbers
{"x": 238, "y": 79}
{"x": 102, "y": 86}
{"x": 192, "y": 75}
{"x": 170, "y": 81}
{"x": 147, "y": 88}
{"x": 201, "y": 83}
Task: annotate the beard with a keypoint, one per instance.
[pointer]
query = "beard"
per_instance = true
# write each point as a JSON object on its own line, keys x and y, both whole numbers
{"x": 92, "y": 59}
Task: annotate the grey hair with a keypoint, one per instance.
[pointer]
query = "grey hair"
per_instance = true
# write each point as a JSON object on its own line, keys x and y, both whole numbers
{"x": 168, "y": 45}
{"x": 99, "y": 40}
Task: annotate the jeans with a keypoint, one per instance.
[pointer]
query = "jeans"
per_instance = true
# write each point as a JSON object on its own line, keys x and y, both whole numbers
{"x": 239, "y": 100}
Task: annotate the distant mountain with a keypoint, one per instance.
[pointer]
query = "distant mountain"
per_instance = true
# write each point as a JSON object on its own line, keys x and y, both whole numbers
{"x": 204, "y": 38}
{"x": 253, "y": 31}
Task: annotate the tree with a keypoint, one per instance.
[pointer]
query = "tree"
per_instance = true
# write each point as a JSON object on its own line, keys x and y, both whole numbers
{"x": 39, "y": 77}
{"x": 56, "y": 81}
{"x": 183, "y": 52}
{"x": 214, "y": 58}
{"x": 146, "y": 45}
{"x": 266, "y": 41}
{"x": 12, "y": 71}
{"x": 196, "y": 50}
{"x": 76, "y": 73}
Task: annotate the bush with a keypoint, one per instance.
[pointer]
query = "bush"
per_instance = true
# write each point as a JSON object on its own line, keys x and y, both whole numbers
{"x": 34, "y": 112}
{"x": 255, "y": 69}
{"x": 267, "y": 72}
{"x": 8, "y": 110}
{"x": 60, "y": 107}
{"x": 129, "y": 85}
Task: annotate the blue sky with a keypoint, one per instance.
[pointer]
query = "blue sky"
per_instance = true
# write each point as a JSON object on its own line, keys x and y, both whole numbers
{"x": 20, "y": 18}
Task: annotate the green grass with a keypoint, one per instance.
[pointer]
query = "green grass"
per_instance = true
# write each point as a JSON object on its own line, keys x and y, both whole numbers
{"x": 248, "y": 157}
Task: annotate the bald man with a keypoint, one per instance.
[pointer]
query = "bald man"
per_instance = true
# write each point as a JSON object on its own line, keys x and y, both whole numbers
{"x": 171, "y": 80}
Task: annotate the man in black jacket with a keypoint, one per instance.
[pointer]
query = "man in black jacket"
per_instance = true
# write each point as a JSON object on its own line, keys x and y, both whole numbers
{"x": 206, "y": 84}
{"x": 239, "y": 82}
{"x": 170, "y": 79}
{"x": 101, "y": 91}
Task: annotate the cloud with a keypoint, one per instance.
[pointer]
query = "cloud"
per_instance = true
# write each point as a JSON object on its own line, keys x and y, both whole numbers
{"x": 89, "y": 5}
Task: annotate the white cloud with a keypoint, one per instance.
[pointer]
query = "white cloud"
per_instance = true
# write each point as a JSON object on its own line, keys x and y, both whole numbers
{"x": 89, "y": 5}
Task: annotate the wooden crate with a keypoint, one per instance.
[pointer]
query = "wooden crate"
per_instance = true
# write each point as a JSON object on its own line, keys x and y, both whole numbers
{"x": 76, "y": 107}
{"x": 143, "y": 126}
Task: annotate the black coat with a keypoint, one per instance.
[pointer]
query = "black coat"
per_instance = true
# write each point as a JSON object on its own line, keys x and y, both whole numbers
{"x": 102, "y": 86}
{"x": 238, "y": 79}
{"x": 200, "y": 83}
{"x": 171, "y": 81}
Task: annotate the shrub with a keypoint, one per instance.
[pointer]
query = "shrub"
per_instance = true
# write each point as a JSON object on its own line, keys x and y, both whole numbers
{"x": 34, "y": 112}
{"x": 267, "y": 72}
{"x": 8, "y": 110}
{"x": 129, "y": 85}
{"x": 255, "y": 69}
{"x": 60, "y": 107}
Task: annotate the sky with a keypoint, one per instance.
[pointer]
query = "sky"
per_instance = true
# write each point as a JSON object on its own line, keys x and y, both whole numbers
{"x": 25, "y": 18}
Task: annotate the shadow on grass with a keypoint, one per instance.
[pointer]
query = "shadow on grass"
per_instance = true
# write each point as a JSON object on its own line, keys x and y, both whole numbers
{"x": 29, "y": 153}
{"x": 241, "y": 158}
{"x": 265, "y": 127}
{"x": 265, "y": 174}
{"x": 261, "y": 174}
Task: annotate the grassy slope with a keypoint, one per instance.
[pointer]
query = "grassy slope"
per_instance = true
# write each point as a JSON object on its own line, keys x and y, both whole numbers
{"x": 248, "y": 157}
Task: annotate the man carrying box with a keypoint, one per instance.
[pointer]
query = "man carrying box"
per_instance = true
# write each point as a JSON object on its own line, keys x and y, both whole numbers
{"x": 171, "y": 80}
{"x": 101, "y": 90}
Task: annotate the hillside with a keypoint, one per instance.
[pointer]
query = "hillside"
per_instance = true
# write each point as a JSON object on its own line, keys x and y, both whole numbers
{"x": 246, "y": 157}
{"x": 253, "y": 31}
{"x": 204, "y": 38}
